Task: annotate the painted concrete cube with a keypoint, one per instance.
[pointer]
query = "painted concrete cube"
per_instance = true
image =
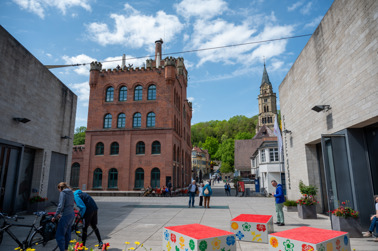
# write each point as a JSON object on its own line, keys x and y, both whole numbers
{"x": 309, "y": 239}
{"x": 197, "y": 237}
{"x": 252, "y": 227}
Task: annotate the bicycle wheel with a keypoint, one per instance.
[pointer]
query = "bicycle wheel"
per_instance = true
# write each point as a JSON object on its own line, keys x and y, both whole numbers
{"x": 78, "y": 228}
{"x": 36, "y": 239}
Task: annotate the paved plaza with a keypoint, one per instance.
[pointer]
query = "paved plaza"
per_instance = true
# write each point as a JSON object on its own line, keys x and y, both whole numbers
{"x": 142, "y": 219}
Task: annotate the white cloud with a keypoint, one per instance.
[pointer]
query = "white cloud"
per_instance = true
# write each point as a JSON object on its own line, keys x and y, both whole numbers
{"x": 203, "y": 9}
{"x": 82, "y": 91}
{"x": 277, "y": 64}
{"x": 39, "y": 7}
{"x": 306, "y": 9}
{"x": 314, "y": 22}
{"x": 136, "y": 30}
{"x": 113, "y": 62}
{"x": 80, "y": 59}
{"x": 294, "y": 6}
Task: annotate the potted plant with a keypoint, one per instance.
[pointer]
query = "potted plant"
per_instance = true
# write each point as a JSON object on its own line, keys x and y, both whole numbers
{"x": 290, "y": 206}
{"x": 36, "y": 203}
{"x": 307, "y": 203}
{"x": 344, "y": 218}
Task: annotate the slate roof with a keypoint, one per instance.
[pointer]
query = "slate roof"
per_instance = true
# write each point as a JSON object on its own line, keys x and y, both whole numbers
{"x": 265, "y": 78}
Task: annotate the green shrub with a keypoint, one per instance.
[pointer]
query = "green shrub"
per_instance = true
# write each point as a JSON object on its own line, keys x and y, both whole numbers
{"x": 290, "y": 203}
{"x": 308, "y": 190}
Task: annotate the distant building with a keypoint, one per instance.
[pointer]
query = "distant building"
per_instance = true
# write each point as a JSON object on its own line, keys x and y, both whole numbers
{"x": 37, "y": 127}
{"x": 329, "y": 107}
{"x": 200, "y": 164}
{"x": 138, "y": 131}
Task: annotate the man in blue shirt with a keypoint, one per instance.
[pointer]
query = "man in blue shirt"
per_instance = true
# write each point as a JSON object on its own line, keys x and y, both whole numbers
{"x": 192, "y": 189}
{"x": 280, "y": 199}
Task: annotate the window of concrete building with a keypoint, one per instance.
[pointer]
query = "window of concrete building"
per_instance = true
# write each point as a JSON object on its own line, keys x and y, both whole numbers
{"x": 113, "y": 178}
{"x": 155, "y": 177}
{"x": 273, "y": 154}
{"x": 151, "y": 92}
{"x": 262, "y": 153}
{"x": 137, "y": 120}
{"x": 151, "y": 119}
{"x": 138, "y": 92}
{"x": 75, "y": 174}
{"x": 121, "y": 122}
{"x": 99, "y": 148}
{"x": 109, "y": 94}
{"x": 139, "y": 178}
{"x": 108, "y": 121}
{"x": 264, "y": 120}
{"x": 156, "y": 149}
{"x": 123, "y": 93}
{"x": 140, "y": 148}
{"x": 97, "y": 178}
{"x": 114, "y": 148}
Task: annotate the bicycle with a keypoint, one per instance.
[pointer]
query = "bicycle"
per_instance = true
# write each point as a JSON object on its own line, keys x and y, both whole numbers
{"x": 36, "y": 235}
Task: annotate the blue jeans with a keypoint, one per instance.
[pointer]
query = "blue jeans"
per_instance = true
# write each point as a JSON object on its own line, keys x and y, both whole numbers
{"x": 374, "y": 224}
{"x": 191, "y": 198}
{"x": 63, "y": 232}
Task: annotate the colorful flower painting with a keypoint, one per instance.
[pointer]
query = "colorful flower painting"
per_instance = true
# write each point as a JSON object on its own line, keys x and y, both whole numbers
{"x": 288, "y": 245}
{"x": 240, "y": 235}
{"x": 234, "y": 225}
{"x": 338, "y": 245}
{"x": 346, "y": 240}
{"x": 256, "y": 237}
{"x": 192, "y": 245}
{"x": 169, "y": 246}
{"x": 261, "y": 227}
{"x": 321, "y": 248}
{"x": 273, "y": 242}
{"x": 216, "y": 243}
{"x": 203, "y": 245}
{"x": 173, "y": 238}
{"x": 246, "y": 227}
{"x": 307, "y": 248}
{"x": 230, "y": 240}
{"x": 176, "y": 248}
{"x": 329, "y": 246}
{"x": 166, "y": 235}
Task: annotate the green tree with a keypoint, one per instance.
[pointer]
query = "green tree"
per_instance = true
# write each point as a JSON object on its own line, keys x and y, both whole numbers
{"x": 79, "y": 136}
{"x": 226, "y": 168}
{"x": 243, "y": 135}
{"x": 212, "y": 145}
{"x": 225, "y": 153}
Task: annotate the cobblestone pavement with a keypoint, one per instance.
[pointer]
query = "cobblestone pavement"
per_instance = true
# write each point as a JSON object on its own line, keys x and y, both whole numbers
{"x": 142, "y": 219}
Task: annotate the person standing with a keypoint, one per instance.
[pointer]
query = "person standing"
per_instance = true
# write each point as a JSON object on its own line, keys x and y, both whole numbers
{"x": 374, "y": 221}
{"x": 169, "y": 185}
{"x": 280, "y": 199}
{"x": 228, "y": 189}
{"x": 66, "y": 215}
{"x": 207, "y": 192}
{"x": 200, "y": 188}
{"x": 88, "y": 211}
{"x": 192, "y": 189}
{"x": 236, "y": 185}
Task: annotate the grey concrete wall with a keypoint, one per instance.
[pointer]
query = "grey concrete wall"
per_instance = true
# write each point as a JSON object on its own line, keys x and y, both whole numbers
{"x": 30, "y": 90}
{"x": 337, "y": 67}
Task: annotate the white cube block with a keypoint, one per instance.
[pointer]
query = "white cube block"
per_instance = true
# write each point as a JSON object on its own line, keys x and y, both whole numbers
{"x": 197, "y": 237}
{"x": 252, "y": 227}
{"x": 309, "y": 238}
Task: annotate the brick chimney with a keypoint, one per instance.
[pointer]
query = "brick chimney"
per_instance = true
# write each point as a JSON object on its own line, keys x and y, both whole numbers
{"x": 158, "y": 44}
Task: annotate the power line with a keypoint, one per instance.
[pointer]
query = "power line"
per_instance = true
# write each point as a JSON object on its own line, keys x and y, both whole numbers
{"x": 188, "y": 51}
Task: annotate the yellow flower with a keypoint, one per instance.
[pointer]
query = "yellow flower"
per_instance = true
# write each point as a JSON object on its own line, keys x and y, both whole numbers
{"x": 72, "y": 241}
{"x": 127, "y": 242}
{"x": 96, "y": 245}
{"x": 17, "y": 248}
{"x": 131, "y": 248}
{"x": 78, "y": 232}
{"x": 234, "y": 225}
{"x": 137, "y": 243}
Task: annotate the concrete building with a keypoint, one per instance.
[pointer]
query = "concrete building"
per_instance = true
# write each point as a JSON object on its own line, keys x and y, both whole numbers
{"x": 200, "y": 164}
{"x": 329, "y": 107}
{"x": 138, "y": 131}
{"x": 37, "y": 126}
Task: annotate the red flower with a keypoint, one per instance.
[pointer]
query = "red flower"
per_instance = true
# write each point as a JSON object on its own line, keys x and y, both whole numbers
{"x": 173, "y": 238}
{"x": 261, "y": 227}
{"x": 307, "y": 248}
{"x": 343, "y": 202}
{"x": 105, "y": 246}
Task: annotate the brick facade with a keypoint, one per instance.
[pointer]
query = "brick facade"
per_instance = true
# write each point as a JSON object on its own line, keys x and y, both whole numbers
{"x": 173, "y": 115}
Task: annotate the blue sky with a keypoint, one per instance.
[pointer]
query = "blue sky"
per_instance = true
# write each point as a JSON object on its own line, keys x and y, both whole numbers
{"x": 222, "y": 83}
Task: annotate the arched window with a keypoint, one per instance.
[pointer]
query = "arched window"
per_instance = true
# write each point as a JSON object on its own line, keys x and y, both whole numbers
{"x": 109, "y": 94}
{"x": 155, "y": 177}
{"x": 113, "y": 178}
{"x": 99, "y": 148}
{"x": 108, "y": 121}
{"x": 75, "y": 174}
{"x": 139, "y": 178}
{"x": 151, "y": 92}
{"x": 267, "y": 108}
{"x": 123, "y": 93}
{"x": 121, "y": 122}
{"x": 137, "y": 120}
{"x": 151, "y": 119}
{"x": 264, "y": 108}
{"x": 97, "y": 178}
{"x": 155, "y": 147}
{"x": 140, "y": 148}
{"x": 138, "y": 93}
{"x": 114, "y": 148}
{"x": 174, "y": 152}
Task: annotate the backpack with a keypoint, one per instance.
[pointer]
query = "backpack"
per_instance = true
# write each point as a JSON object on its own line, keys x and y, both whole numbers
{"x": 206, "y": 191}
{"x": 48, "y": 228}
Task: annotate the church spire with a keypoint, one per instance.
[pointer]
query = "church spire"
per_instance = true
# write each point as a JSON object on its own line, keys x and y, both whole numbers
{"x": 265, "y": 78}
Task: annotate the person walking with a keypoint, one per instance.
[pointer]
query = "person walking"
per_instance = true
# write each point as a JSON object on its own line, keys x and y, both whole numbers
{"x": 207, "y": 192}
{"x": 192, "y": 189}
{"x": 200, "y": 189}
{"x": 169, "y": 185}
{"x": 66, "y": 215}
{"x": 228, "y": 189}
{"x": 88, "y": 211}
{"x": 280, "y": 199}
{"x": 374, "y": 222}
{"x": 236, "y": 185}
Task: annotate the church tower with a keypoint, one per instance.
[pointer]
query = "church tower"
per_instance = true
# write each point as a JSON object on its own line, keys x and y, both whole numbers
{"x": 267, "y": 103}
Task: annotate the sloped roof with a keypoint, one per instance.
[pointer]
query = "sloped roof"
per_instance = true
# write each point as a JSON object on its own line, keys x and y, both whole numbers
{"x": 265, "y": 78}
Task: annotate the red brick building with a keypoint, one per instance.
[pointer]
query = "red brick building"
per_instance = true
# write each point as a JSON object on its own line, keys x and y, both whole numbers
{"x": 138, "y": 131}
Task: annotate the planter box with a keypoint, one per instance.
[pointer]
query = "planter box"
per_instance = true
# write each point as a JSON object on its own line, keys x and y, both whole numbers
{"x": 350, "y": 225}
{"x": 307, "y": 212}
{"x": 252, "y": 227}
{"x": 291, "y": 209}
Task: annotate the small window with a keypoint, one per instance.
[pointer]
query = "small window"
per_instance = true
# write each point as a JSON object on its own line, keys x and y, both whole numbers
{"x": 123, "y": 93}
{"x": 97, "y": 178}
{"x": 99, "y": 148}
{"x": 137, "y": 120}
{"x": 151, "y": 92}
{"x": 151, "y": 119}
{"x": 113, "y": 178}
{"x": 273, "y": 154}
{"x": 140, "y": 148}
{"x": 109, "y": 94}
{"x": 114, "y": 148}
{"x": 121, "y": 122}
{"x": 138, "y": 93}
{"x": 156, "y": 149}
{"x": 108, "y": 121}
{"x": 263, "y": 156}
